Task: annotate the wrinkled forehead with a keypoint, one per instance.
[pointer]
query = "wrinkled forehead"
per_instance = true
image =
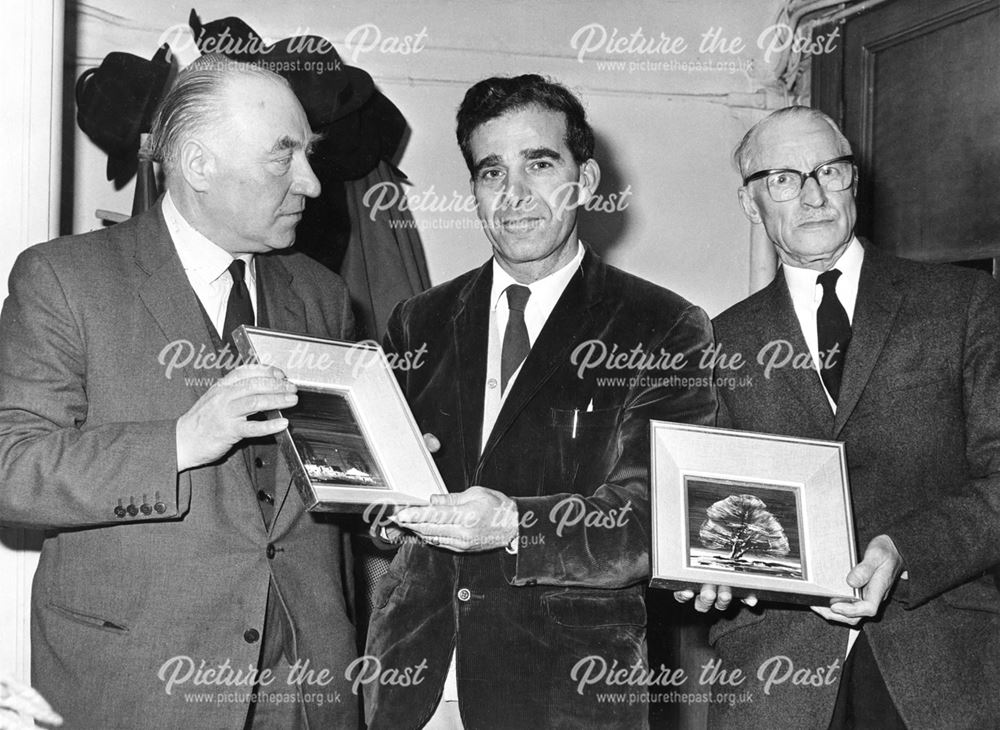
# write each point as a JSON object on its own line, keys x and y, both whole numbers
{"x": 268, "y": 106}
{"x": 798, "y": 143}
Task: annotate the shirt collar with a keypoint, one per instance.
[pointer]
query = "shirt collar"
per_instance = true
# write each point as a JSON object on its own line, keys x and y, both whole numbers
{"x": 199, "y": 256}
{"x": 546, "y": 291}
{"x": 804, "y": 290}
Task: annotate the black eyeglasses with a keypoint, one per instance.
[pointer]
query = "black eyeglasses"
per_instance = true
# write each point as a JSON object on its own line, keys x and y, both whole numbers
{"x": 784, "y": 185}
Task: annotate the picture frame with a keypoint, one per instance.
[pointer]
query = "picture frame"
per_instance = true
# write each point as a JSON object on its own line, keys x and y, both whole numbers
{"x": 352, "y": 441}
{"x": 765, "y": 514}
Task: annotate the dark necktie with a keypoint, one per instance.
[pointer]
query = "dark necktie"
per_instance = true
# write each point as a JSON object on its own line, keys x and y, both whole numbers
{"x": 515, "y": 337}
{"x": 834, "y": 330}
{"x": 239, "y": 308}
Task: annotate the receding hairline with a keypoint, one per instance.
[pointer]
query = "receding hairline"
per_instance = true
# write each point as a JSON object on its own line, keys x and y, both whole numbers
{"x": 748, "y": 145}
{"x": 203, "y": 97}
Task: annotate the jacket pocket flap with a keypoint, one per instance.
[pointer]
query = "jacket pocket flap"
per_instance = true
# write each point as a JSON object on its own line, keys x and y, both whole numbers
{"x": 591, "y": 609}
{"x": 726, "y": 626}
{"x": 97, "y": 622}
{"x": 916, "y": 378}
{"x": 982, "y": 594}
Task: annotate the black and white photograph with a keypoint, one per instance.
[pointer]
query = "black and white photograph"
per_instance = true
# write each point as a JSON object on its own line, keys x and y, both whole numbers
{"x": 328, "y": 438}
{"x": 743, "y": 527}
{"x": 349, "y": 441}
{"x": 467, "y": 365}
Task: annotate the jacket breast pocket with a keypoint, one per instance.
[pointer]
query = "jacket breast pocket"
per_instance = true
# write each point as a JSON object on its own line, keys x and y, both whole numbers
{"x": 580, "y": 445}
{"x": 917, "y": 378}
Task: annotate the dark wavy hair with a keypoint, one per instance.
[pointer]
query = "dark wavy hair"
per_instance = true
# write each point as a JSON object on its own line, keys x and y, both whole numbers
{"x": 498, "y": 95}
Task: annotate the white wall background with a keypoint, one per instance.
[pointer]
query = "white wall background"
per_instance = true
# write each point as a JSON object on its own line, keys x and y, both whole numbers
{"x": 664, "y": 134}
{"x": 31, "y": 36}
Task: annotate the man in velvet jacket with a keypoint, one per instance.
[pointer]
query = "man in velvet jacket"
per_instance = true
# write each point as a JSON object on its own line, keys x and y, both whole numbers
{"x": 918, "y": 407}
{"x": 516, "y": 592}
{"x": 177, "y": 562}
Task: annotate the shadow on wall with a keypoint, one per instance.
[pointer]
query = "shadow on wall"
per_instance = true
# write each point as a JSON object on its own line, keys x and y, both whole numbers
{"x": 604, "y": 222}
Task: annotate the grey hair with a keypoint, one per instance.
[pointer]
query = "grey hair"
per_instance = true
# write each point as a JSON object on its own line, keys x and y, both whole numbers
{"x": 741, "y": 155}
{"x": 194, "y": 103}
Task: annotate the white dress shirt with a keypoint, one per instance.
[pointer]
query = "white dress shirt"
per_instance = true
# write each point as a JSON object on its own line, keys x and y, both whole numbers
{"x": 207, "y": 266}
{"x": 544, "y": 294}
{"x": 806, "y": 295}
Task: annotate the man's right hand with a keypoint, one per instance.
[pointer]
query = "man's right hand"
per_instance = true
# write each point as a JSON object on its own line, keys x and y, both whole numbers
{"x": 218, "y": 421}
{"x": 711, "y": 595}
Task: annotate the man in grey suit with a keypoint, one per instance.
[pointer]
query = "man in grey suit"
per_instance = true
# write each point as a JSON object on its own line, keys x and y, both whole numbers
{"x": 181, "y": 583}
{"x": 907, "y": 373}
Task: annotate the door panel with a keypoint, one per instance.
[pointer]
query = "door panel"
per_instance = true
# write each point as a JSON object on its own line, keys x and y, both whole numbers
{"x": 916, "y": 87}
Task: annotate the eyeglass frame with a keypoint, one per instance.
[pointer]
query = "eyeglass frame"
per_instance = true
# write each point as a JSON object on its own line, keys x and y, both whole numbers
{"x": 803, "y": 176}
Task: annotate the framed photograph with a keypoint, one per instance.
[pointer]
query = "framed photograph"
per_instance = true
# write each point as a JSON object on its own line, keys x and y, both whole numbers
{"x": 768, "y": 514}
{"x": 351, "y": 440}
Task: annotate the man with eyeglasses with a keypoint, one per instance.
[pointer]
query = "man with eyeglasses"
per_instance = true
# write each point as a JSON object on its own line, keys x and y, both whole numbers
{"x": 907, "y": 373}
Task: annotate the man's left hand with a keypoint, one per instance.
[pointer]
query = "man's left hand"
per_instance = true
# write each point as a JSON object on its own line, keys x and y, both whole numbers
{"x": 475, "y": 520}
{"x": 875, "y": 575}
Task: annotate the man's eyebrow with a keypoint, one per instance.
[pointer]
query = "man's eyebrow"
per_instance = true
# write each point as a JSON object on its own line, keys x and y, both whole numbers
{"x": 314, "y": 139}
{"x": 532, "y": 153}
{"x": 538, "y": 153}
{"x": 291, "y": 143}
{"x": 488, "y": 161}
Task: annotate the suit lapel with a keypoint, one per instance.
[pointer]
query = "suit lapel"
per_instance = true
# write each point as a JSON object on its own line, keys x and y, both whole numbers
{"x": 280, "y": 308}
{"x": 564, "y": 329}
{"x": 874, "y": 312}
{"x": 803, "y": 382}
{"x": 171, "y": 301}
{"x": 470, "y": 337}
{"x": 165, "y": 290}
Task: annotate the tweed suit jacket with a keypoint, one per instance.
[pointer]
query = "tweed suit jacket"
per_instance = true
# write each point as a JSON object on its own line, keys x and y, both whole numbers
{"x": 919, "y": 412}
{"x": 103, "y": 346}
{"x": 565, "y": 439}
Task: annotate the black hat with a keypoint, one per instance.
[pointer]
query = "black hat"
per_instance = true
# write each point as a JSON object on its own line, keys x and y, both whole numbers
{"x": 327, "y": 88}
{"x": 115, "y": 105}
{"x": 352, "y": 145}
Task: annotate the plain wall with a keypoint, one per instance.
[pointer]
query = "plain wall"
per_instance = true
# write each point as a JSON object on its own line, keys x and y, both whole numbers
{"x": 663, "y": 135}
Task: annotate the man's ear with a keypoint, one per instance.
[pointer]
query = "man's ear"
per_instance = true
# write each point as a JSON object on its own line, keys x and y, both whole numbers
{"x": 590, "y": 178}
{"x": 749, "y": 205}
{"x": 196, "y": 163}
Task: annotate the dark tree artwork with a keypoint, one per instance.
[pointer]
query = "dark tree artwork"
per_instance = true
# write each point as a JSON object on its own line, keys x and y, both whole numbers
{"x": 741, "y": 524}
{"x": 743, "y": 527}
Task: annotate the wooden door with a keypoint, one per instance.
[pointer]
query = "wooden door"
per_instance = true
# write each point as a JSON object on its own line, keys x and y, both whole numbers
{"x": 915, "y": 85}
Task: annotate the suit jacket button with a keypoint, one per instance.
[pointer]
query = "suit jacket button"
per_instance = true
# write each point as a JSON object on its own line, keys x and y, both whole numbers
{"x": 145, "y": 508}
{"x": 120, "y": 511}
{"x": 160, "y": 508}
{"x": 259, "y": 462}
{"x": 132, "y": 510}
{"x": 251, "y": 635}
{"x": 464, "y": 594}
{"x": 270, "y": 551}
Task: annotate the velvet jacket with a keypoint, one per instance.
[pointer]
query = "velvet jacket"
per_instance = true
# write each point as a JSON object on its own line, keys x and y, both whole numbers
{"x": 571, "y": 447}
